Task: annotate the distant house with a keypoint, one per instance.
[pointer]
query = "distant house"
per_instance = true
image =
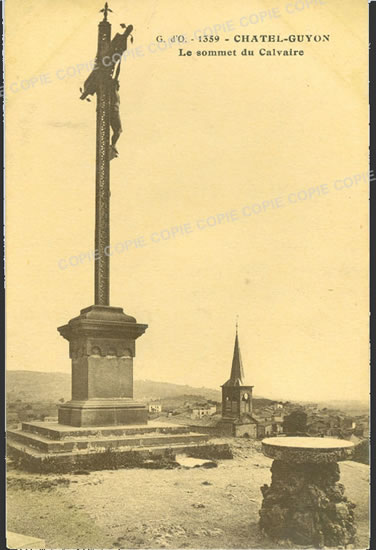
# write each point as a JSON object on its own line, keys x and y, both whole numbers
{"x": 264, "y": 429}
{"x": 266, "y": 414}
{"x": 277, "y": 428}
{"x": 348, "y": 423}
{"x": 330, "y": 424}
{"x": 267, "y": 411}
{"x": 204, "y": 411}
{"x": 246, "y": 426}
{"x": 319, "y": 426}
{"x": 155, "y": 407}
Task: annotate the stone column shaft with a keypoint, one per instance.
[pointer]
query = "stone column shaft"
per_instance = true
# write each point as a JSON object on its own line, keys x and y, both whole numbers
{"x": 102, "y": 184}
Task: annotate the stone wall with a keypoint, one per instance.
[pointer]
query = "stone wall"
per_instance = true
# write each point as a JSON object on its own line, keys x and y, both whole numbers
{"x": 246, "y": 430}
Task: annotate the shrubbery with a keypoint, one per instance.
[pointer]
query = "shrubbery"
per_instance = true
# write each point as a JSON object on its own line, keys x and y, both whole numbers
{"x": 361, "y": 452}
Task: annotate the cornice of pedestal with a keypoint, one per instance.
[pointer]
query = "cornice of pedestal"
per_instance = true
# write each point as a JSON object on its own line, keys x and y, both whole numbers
{"x": 102, "y": 322}
{"x": 104, "y": 403}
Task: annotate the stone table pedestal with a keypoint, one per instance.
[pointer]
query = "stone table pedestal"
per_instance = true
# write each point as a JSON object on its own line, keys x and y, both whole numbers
{"x": 305, "y": 503}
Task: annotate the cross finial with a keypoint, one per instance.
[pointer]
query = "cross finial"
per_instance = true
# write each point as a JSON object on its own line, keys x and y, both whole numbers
{"x": 237, "y": 323}
{"x": 105, "y": 11}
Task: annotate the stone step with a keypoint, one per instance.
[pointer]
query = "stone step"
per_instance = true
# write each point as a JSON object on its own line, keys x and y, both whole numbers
{"x": 44, "y": 444}
{"x": 155, "y": 450}
{"x": 55, "y": 431}
{"x": 35, "y": 460}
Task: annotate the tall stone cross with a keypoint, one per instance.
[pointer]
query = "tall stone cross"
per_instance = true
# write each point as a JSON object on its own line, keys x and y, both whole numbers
{"x": 102, "y": 339}
{"x": 102, "y": 180}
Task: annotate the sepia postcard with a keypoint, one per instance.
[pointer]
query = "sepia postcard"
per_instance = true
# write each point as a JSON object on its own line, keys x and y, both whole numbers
{"x": 187, "y": 190}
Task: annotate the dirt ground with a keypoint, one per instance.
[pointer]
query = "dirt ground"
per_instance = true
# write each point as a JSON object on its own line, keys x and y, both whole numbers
{"x": 177, "y": 508}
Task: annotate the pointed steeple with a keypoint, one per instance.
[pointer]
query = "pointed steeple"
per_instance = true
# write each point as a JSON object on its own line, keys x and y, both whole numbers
{"x": 237, "y": 377}
{"x": 237, "y": 372}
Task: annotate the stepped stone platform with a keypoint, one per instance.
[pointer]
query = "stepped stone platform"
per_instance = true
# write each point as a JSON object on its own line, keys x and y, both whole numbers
{"x": 53, "y": 447}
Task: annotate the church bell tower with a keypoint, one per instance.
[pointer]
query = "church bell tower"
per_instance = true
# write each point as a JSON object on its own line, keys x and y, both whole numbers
{"x": 236, "y": 394}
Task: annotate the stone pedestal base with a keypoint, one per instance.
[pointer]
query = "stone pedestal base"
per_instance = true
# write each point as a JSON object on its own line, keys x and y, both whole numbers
{"x": 102, "y": 346}
{"x": 102, "y": 413}
{"x": 305, "y": 503}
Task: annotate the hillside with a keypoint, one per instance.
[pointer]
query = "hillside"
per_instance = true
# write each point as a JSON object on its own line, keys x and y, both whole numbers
{"x": 52, "y": 386}
{"x": 148, "y": 389}
{"x": 32, "y": 386}
{"x": 37, "y": 386}
{"x": 351, "y": 407}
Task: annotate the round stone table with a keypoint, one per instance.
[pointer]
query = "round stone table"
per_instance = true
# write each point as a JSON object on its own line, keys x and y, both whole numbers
{"x": 305, "y": 503}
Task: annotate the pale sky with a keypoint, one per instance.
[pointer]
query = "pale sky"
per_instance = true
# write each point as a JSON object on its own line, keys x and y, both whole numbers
{"x": 202, "y": 137}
